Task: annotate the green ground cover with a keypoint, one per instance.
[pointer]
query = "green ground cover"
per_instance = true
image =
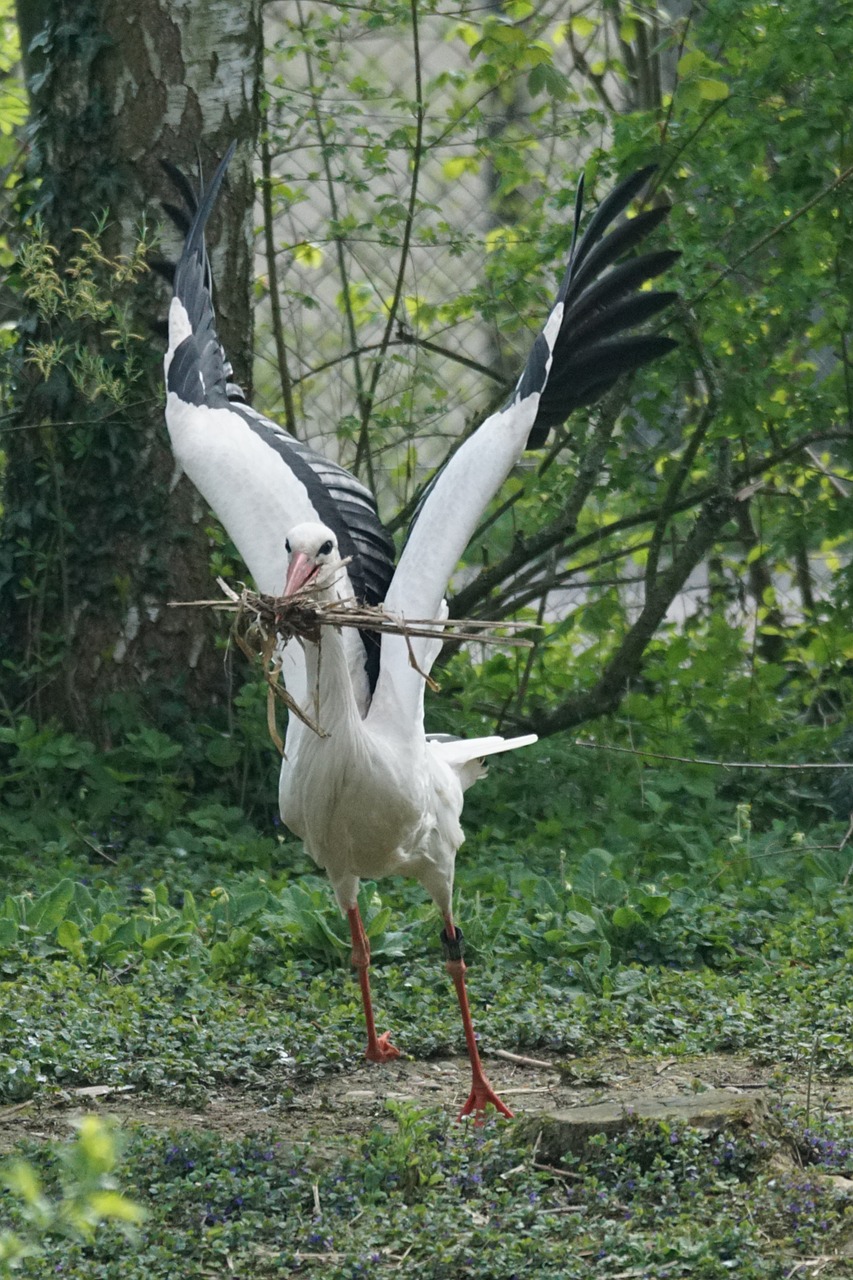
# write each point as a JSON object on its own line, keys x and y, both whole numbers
{"x": 182, "y": 952}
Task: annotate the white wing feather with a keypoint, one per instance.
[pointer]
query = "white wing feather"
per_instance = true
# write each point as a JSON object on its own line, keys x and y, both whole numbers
{"x": 443, "y": 529}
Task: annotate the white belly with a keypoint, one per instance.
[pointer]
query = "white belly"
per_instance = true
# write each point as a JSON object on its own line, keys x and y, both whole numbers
{"x": 355, "y": 803}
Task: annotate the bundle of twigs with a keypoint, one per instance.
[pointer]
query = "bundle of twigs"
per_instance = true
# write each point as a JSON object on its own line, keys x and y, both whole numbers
{"x": 263, "y": 624}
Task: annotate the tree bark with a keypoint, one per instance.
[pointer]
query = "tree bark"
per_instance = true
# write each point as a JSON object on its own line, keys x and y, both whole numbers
{"x": 96, "y": 538}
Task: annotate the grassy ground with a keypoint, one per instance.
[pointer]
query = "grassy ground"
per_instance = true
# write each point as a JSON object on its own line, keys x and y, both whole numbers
{"x": 636, "y": 934}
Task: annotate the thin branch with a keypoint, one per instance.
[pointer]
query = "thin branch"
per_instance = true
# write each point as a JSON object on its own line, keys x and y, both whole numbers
{"x": 839, "y": 485}
{"x": 597, "y": 82}
{"x": 507, "y": 603}
{"x": 525, "y": 550}
{"x": 405, "y": 338}
{"x": 682, "y": 471}
{"x": 714, "y": 764}
{"x": 272, "y": 276}
{"x": 523, "y": 683}
{"x": 847, "y": 834}
{"x": 363, "y": 448}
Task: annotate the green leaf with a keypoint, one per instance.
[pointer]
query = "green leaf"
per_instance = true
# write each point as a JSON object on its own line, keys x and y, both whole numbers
{"x": 379, "y": 923}
{"x": 8, "y": 932}
{"x": 308, "y": 255}
{"x": 46, "y": 912}
{"x": 223, "y": 752}
{"x": 245, "y": 905}
{"x": 113, "y": 1205}
{"x": 158, "y": 943}
{"x": 626, "y": 918}
{"x": 583, "y": 27}
{"x": 583, "y": 923}
{"x": 68, "y": 936}
{"x": 691, "y": 62}
{"x": 655, "y": 904}
{"x": 518, "y": 10}
{"x": 547, "y": 78}
{"x": 458, "y": 165}
{"x": 712, "y": 90}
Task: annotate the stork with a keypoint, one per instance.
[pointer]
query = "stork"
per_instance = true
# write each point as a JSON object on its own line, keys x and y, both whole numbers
{"x": 378, "y": 795}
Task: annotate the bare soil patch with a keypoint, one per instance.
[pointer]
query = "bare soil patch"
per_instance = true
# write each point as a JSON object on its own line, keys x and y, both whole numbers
{"x": 343, "y": 1106}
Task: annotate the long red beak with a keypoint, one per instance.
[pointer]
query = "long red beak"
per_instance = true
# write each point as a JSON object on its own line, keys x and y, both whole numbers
{"x": 299, "y": 571}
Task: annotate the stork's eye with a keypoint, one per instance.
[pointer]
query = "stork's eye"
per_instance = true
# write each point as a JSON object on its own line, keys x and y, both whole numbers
{"x": 326, "y": 549}
{"x": 287, "y": 545}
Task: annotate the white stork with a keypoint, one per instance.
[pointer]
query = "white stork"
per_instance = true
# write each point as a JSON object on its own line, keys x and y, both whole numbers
{"x": 378, "y": 796}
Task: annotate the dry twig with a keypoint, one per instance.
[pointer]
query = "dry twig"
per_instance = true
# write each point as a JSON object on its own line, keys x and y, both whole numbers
{"x": 263, "y": 624}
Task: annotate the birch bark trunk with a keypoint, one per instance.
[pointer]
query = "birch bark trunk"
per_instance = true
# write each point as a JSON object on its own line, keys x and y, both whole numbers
{"x": 96, "y": 538}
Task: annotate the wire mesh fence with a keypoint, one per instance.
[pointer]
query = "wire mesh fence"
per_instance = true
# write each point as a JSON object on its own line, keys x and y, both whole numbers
{"x": 390, "y": 167}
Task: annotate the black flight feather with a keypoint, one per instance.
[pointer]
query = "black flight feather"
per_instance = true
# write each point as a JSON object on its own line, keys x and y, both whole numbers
{"x": 199, "y": 374}
{"x": 600, "y": 297}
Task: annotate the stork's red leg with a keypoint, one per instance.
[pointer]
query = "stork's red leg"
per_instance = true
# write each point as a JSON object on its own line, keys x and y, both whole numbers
{"x": 379, "y": 1048}
{"x": 482, "y": 1092}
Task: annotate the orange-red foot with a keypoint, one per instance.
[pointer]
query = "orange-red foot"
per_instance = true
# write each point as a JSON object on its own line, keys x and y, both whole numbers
{"x": 382, "y": 1050}
{"x": 479, "y": 1098}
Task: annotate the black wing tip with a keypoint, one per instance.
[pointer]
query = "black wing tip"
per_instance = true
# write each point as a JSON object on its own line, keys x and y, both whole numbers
{"x": 208, "y": 199}
{"x": 197, "y": 368}
{"x": 604, "y": 298}
{"x": 654, "y": 264}
{"x": 634, "y": 182}
{"x": 191, "y": 218}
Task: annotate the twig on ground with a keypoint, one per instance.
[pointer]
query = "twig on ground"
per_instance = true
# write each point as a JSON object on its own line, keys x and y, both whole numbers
{"x": 525, "y": 1062}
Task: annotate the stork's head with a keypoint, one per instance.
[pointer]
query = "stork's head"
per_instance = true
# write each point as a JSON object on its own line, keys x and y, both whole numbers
{"x": 314, "y": 557}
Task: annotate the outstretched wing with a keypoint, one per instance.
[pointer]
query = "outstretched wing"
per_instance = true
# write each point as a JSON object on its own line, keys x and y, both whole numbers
{"x": 259, "y": 480}
{"x": 585, "y": 345}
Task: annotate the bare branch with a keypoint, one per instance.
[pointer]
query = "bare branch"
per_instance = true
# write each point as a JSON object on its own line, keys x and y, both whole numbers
{"x": 625, "y": 663}
{"x": 528, "y": 549}
{"x": 580, "y": 60}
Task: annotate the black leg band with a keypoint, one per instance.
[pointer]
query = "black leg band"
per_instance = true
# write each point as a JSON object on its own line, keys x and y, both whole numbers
{"x": 453, "y": 949}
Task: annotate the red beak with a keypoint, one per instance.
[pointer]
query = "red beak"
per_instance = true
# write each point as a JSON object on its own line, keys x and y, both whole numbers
{"x": 299, "y": 572}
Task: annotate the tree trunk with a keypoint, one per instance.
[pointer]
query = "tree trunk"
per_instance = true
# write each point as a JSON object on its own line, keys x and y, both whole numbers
{"x": 96, "y": 538}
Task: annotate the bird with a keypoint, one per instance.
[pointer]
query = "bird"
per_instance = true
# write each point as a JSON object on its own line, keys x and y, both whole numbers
{"x": 376, "y": 794}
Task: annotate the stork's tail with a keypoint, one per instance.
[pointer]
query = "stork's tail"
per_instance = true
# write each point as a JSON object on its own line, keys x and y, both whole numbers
{"x": 465, "y": 755}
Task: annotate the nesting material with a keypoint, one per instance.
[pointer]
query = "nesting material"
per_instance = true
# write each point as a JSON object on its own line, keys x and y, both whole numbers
{"x": 263, "y": 624}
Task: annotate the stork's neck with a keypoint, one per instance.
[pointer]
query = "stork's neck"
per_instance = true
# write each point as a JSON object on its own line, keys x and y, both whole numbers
{"x": 331, "y": 700}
